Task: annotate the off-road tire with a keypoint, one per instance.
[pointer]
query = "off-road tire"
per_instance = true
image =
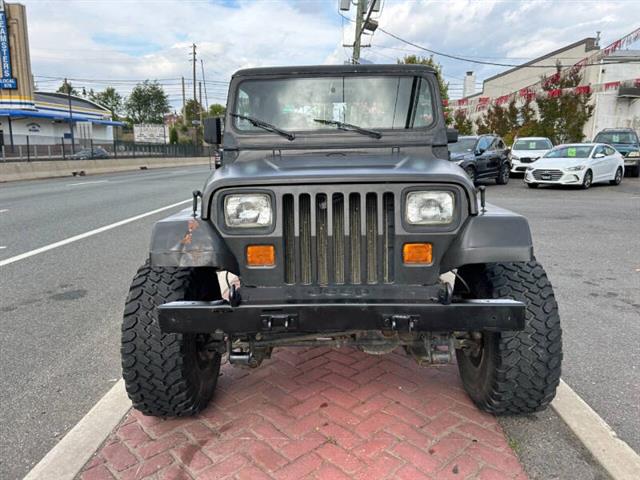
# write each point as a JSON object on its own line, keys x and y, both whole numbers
{"x": 516, "y": 372}
{"x": 503, "y": 174}
{"x": 167, "y": 374}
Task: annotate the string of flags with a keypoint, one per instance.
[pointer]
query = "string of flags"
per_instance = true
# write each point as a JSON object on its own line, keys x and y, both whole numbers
{"x": 541, "y": 87}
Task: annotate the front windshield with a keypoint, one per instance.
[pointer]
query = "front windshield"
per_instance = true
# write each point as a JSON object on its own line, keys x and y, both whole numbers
{"x": 615, "y": 137}
{"x": 539, "y": 144}
{"x": 463, "y": 145}
{"x": 294, "y": 104}
{"x": 571, "y": 151}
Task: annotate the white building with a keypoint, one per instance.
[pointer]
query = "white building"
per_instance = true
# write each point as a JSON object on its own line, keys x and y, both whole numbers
{"x": 48, "y": 121}
{"x": 617, "y": 105}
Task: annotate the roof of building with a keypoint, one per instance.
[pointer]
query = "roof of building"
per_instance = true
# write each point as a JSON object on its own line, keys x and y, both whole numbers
{"x": 62, "y": 99}
{"x": 589, "y": 43}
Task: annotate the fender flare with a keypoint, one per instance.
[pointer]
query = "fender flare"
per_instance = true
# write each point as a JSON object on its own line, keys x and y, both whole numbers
{"x": 497, "y": 235}
{"x": 182, "y": 240}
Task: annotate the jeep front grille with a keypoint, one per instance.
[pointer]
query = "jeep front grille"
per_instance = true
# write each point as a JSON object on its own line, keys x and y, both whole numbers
{"x": 338, "y": 238}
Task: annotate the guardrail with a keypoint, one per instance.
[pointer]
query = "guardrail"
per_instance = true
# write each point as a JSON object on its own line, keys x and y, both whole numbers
{"x": 28, "y": 148}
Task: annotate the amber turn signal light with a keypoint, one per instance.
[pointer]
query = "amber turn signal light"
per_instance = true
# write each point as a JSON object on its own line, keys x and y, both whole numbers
{"x": 417, "y": 253}
{"x": 261, "y": 255}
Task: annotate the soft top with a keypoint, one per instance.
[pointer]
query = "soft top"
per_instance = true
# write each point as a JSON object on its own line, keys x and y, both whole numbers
{"x": 404, "y": 69}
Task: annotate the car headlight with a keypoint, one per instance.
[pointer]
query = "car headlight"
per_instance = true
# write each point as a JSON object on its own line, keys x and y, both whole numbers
{"x": 429, "y": 208}
{"x": 514, "y": 157}
{"x": 633, "y": 154}
{"x": 248, "y": 210}
{"x": 576, "y": 168}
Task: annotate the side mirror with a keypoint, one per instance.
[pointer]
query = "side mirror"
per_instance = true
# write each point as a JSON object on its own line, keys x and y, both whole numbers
{"x": 599, "y": 155}
{"x": 479, "y": 151}
{"x": 452, "y": 135}
{"x": 213, "y": 128}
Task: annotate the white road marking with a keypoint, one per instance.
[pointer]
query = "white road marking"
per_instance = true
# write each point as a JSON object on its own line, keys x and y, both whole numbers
{"x": 614, "y": 454}
{"x": 87, "y": 183}
{"x": 2, "y": 247}
{"x": 66, "y": 459}
{"x": 4, "y": 210}
{"x": 84, "y": 235}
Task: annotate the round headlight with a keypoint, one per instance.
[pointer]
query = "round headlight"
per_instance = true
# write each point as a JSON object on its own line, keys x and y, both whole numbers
{"x": 248, "y": 210}
{"x": 429, "y": 208}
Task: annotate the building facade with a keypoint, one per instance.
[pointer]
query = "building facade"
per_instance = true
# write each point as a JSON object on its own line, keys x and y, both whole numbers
{"x": 29, "y": 117}
{"x": 613, "y": 81}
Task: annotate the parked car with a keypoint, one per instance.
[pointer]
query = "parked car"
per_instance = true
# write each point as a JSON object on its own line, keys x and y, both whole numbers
{"x": 86, "y": 154}
{"x": 580, "y": 164}
{"x": 482, "y": 157}
{"x": 527, "y": 150}
{"x": 625, "y": 141}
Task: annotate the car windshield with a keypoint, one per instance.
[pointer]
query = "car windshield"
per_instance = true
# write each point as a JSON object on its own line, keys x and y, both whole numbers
{"x": 615, "y": 137}
{"x": 538, "y": 144}
{"x": 307, "y": 104}
{"x": 570, "y": 151}
{"x": 463, "y": 145}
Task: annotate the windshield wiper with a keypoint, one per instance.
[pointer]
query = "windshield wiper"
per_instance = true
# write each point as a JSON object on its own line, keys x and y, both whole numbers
{"x": 265, "y": 126}
{"x": 350, "y": 127}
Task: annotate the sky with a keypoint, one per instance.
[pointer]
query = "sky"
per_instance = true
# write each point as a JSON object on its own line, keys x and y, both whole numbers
{"x": 118, "y": 42}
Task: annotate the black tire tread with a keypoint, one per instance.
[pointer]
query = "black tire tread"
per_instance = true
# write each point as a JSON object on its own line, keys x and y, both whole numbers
{"x": 528, "y": 362}
{"x": 158, "y": 367}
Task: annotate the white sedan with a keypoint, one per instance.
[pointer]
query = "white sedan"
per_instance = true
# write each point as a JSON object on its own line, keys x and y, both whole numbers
{"x": 526, "y": 150}
{"x": 580, "y": 164}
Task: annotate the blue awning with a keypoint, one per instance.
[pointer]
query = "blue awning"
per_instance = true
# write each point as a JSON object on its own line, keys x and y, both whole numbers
{"x": 63, "y": 117}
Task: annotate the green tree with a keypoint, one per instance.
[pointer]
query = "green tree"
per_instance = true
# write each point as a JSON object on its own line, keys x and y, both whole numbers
{"x": 193, "y": 110}
{"x": 67, "y": 88}
{"x": 110, "y": 99}
{"x": 563, "y": 115}
{"x": 147, "y": 103}
{"x": 217, "y": 110}
{"x": 462, "y": 123}
{"x": 173, "y": 135}
{"x": 444, "y": 87}
{"x": 503, "y": 121}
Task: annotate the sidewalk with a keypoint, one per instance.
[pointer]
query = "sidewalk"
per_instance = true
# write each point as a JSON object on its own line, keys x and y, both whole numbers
{"x": 318, "y": 414}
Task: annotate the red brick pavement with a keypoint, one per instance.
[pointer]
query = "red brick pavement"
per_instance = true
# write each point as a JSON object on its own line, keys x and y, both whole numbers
{"x": 318, "y": 414}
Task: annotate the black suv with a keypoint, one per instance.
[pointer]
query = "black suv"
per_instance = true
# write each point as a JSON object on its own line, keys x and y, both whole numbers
{"x": 336, "y": 219}
{"x": 625, "y": 141}
{"x": 482, "y": 157}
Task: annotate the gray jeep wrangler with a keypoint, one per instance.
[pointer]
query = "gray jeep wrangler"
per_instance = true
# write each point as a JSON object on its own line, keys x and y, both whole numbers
{"x": 338, "y": 211}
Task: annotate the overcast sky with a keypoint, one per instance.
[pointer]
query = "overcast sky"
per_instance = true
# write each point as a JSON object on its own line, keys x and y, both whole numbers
{"x": 114, "y": 40}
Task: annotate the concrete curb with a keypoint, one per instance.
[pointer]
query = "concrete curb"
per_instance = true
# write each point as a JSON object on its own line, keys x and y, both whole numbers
{"x": 612, "y": 453}
{"x": 67, "y": 458}
{"x": 14, "y": 171}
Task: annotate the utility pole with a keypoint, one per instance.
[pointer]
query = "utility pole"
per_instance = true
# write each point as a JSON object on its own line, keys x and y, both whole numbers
{"x": 201, "y": 112}
{"x": 356, "y": 44}
{"x": 184, "y": 104}
{"x": 206, "y": 98}
{"x": 195, "y": 99}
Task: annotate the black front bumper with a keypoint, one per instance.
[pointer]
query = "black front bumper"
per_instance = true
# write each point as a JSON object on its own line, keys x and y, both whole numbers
{"x": 219, "y": 316}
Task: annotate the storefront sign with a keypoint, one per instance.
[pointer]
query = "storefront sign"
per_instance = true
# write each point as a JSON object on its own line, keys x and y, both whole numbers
{"x": 6, "y": 79}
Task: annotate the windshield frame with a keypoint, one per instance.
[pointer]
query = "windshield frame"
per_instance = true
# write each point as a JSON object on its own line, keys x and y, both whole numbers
{"x": 614, "y": 132}
{"x": 332, "y": 131}
{"x": 550, "y": 143}
{"x": 591, "y": 147}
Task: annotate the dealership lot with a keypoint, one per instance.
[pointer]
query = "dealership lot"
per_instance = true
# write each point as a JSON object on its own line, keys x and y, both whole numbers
{"x": 60, "y": 333}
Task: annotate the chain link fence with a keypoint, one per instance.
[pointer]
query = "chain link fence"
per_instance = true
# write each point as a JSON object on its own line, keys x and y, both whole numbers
{"x": 27, "y": 148}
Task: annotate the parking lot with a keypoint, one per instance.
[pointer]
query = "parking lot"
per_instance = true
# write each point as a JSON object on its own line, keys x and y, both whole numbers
{"x": 60, "y": 333}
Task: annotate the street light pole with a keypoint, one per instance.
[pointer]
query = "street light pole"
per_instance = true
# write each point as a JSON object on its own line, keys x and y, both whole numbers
{"x": 73, "y": 141}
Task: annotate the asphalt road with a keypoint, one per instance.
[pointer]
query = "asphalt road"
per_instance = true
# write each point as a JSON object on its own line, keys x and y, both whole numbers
{"x": 60, "y": 310}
